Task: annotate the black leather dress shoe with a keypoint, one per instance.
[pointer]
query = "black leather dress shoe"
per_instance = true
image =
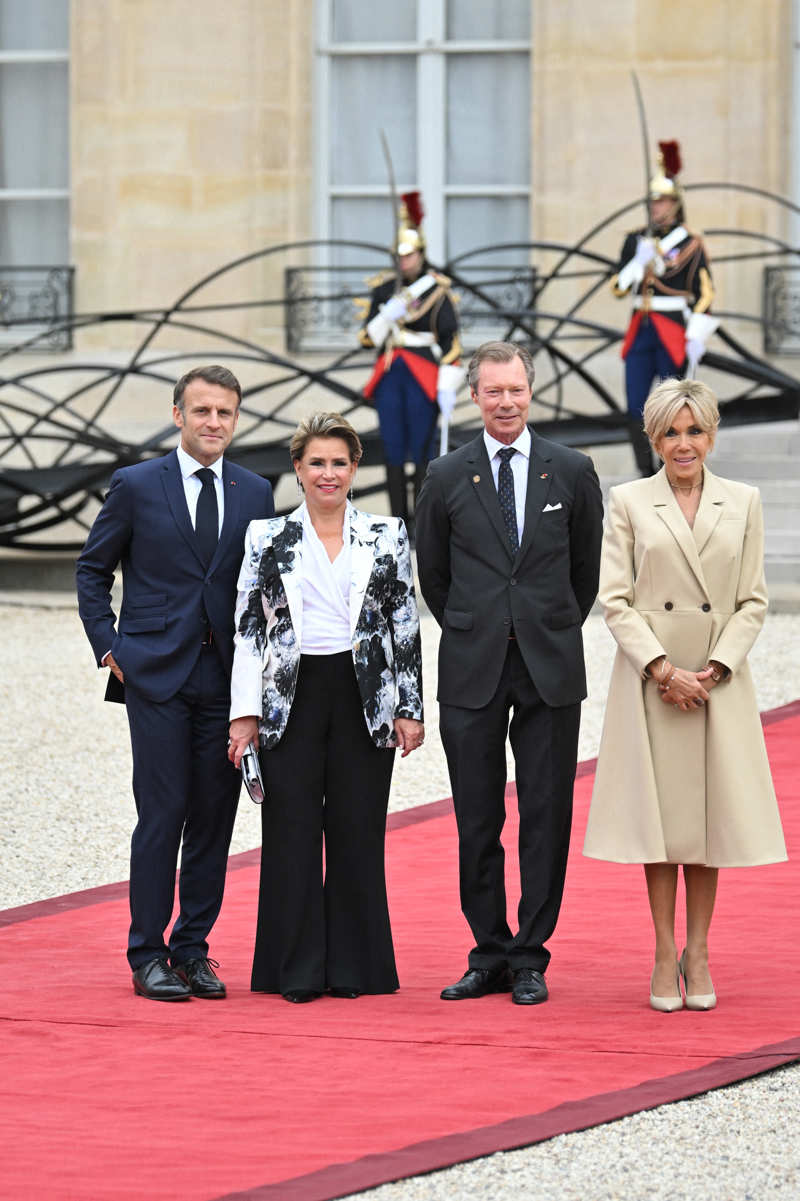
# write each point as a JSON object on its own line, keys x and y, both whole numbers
{"x": 158, "y": 982}
{"x": 200, "y": 976}
{"x": 298, "y": 996}
{"x": 350, "y": 993}
{"x": 529, "y": 987}
{"x": 478, "y": 982}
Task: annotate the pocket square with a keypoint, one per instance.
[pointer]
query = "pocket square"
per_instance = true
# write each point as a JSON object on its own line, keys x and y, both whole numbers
{"x": 551, "y": 508}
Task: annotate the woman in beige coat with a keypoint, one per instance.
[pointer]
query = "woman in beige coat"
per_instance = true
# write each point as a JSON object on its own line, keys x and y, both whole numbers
{"x": 682, "y": 775}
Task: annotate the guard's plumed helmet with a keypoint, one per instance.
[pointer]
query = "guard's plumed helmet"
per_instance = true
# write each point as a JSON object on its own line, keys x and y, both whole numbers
{"x": 665, "y": 181}
{"x": 409, "y": 232}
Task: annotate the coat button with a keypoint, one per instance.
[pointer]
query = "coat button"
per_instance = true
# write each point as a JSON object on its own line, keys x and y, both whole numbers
{"x": 706, "y": 607}
{"x": 512, "y": 580}
{"x": 668, "y": 604}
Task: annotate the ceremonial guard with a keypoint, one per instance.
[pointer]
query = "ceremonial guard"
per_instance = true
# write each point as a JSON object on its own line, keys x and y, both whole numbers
{"x": 665, "y": 268}
{"x": 411, "y": 320}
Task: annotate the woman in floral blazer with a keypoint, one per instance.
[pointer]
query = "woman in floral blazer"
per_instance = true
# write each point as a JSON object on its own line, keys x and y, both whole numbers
{"x": 327, "y": 678}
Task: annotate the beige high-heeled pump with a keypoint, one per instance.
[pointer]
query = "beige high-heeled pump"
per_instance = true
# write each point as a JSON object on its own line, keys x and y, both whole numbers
{"x": 700, "y": 1001}
{"x": 667, "y": 1004}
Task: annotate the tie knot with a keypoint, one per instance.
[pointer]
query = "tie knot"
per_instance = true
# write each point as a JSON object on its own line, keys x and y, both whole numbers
{"x": 205, "y": 475}
{"x": 506, "y": 453}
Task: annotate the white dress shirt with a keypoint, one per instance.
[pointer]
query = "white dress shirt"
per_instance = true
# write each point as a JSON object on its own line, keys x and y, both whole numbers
{"x": 519, "y": 464}
{"x": 326, "y": 594}
{"x": 192, "y": 486}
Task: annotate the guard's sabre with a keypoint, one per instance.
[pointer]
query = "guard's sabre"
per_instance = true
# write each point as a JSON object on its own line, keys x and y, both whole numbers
{"x": 444, "y": 424}
{"x": 395, "y": 210}
{"x": 645, "y": 147}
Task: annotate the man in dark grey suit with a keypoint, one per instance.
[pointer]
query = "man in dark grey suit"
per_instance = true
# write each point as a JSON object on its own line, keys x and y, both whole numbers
{"x": 176, "y": 526}
{"x": 508, "y": 547}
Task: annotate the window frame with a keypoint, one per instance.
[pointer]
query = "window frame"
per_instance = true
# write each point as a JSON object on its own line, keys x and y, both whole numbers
{"x": 36, "y": 58}
{"x": 431, "y": 51}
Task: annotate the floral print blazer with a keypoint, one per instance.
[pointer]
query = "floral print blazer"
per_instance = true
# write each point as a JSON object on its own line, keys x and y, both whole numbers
{"x": 384, "y": 623}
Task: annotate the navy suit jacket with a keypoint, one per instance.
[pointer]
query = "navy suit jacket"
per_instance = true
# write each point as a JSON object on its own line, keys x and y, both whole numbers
{"x": 168, "y": 595}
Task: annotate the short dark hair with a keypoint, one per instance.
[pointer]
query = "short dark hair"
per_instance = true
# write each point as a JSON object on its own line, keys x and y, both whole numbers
{"x": 499, "y": 352}
{"x": 214, "y": 374}
{"x": 325, "y": 425}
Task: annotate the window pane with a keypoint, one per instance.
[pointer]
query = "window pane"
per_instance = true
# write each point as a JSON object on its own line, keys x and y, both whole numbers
{"x": 362, "y": 219}
{"x": 34, "y": 148}
{"x": 34, "y": 24}
{"x": 366, "y": 21}
{"x": 476, "y": 221}
{"x": 488, "y": 106}
{"x": 33, "y": 233}
{"x": 475, "y": 20}
{"x": 367, "y": 95}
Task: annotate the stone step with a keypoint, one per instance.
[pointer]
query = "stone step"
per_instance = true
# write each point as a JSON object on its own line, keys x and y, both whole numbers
{"x": 782, "y": 569}
{"x": 781, "y": 517}
{"x": 782, "y": 436}
{"x": 781, "y": 541}
{"x": 752, "y": 469}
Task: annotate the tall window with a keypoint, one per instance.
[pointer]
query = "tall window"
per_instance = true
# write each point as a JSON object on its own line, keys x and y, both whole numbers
{"x": 448, "y": 81}
{"x": 34, "y": 132}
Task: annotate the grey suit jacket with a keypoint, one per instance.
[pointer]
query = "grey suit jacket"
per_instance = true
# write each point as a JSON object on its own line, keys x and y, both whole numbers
{"x": 480, "y": 592}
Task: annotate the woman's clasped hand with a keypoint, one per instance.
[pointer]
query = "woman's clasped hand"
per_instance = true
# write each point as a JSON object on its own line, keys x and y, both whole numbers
{"x": 681, "y": 688}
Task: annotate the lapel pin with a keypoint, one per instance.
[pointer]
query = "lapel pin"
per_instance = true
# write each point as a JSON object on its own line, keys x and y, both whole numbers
{"x": 476, "y": 479}
{"x": 233, "y": 483}
{"x": 543, "y": 476}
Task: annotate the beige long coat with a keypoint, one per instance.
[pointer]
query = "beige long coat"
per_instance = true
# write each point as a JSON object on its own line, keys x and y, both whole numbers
{"x": 671, "y": 785}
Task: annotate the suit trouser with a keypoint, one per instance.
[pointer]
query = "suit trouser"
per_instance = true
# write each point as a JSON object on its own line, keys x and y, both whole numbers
{"x": 648, "y": 361}
{"x": 544, "y": 741}
{"x": 325, "y": 779}
{"x": 184, "y": 788}
{"x": 407, "y": 417}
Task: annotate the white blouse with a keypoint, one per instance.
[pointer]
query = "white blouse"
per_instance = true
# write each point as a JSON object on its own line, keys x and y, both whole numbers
{"x": 326, "y": 594}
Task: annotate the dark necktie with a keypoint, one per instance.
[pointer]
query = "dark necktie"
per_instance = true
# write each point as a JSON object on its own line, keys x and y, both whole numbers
{"x": 206, "y": 521}
{"x": 505, "y": 493}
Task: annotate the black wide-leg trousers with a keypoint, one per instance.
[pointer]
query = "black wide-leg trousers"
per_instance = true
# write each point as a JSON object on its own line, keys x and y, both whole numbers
{"x": 326, "y": 783}
{"x": 544, "y": 741}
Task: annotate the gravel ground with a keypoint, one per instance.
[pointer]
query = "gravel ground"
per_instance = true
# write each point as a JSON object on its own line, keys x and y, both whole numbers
{"x": 737, "y": 1144}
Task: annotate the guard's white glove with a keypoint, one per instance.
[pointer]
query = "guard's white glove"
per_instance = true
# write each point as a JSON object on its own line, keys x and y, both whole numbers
{"x": 645, "y": 252}
{"x": 395, "y": 308}
{"x": 446, "y": 400}
{"x": 695, "y": 349}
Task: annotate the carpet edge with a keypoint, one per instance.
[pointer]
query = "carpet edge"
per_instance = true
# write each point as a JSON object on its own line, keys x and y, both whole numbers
{"x": 432, "y": 1155}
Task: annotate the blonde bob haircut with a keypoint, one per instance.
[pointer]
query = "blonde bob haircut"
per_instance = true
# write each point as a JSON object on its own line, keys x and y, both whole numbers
{"x": 668, "y": 398}
{"x": 325, "y": 425}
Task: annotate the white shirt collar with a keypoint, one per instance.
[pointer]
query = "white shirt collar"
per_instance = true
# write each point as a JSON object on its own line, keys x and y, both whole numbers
{"x": 189, "y": 466}
{"x": 522, "y": 444}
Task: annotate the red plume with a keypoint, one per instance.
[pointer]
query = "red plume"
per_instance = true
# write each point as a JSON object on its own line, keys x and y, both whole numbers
{"x": 413, "y": 203}
{"x": 671, "y": 154}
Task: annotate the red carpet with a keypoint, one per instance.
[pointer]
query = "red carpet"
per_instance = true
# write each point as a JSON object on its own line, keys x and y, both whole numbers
{"x": 105, "y": 1095}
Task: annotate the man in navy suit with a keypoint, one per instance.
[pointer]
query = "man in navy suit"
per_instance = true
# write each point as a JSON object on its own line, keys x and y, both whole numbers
{"x": 176, "y": 525}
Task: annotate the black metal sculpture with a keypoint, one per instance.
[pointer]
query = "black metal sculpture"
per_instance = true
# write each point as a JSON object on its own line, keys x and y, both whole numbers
{"x": 62, "y": 426}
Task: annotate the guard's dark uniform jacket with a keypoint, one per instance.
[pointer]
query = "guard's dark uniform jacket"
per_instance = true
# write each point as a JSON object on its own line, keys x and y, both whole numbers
{"x": 428, "y": 337}
{"x": 669, "y": 298}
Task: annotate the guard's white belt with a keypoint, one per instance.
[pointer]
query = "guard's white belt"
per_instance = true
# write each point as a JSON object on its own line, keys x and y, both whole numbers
{"x": 412, "y": 337}
{"x": 662, "y": 304}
